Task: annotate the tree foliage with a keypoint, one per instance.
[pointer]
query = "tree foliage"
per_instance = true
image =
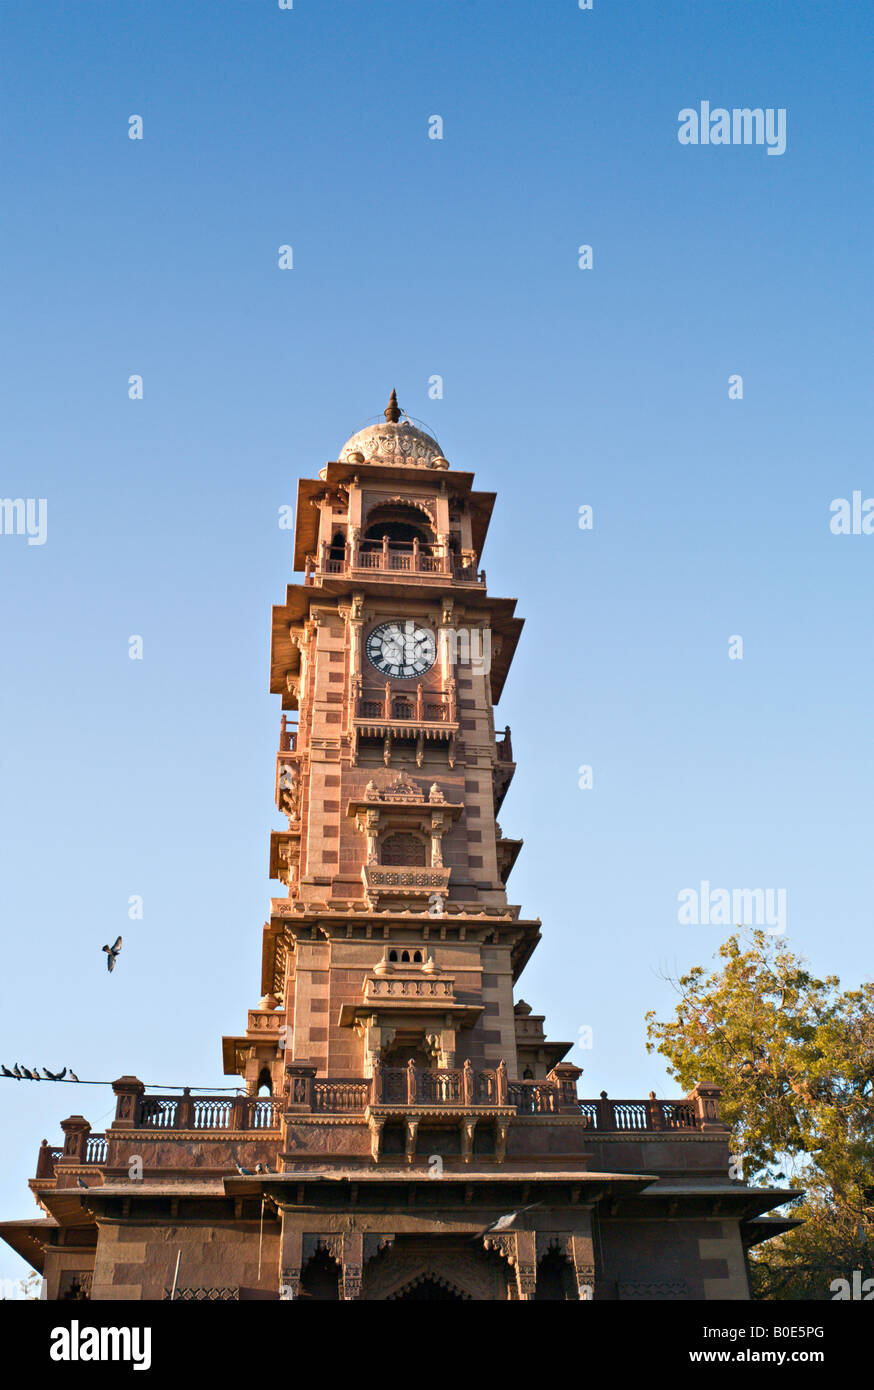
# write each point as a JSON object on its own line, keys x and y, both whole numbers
{"x": 794, "y": 1056}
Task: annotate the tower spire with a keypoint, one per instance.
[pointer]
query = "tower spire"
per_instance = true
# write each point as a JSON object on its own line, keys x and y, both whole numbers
{"x": 392, "y": 411}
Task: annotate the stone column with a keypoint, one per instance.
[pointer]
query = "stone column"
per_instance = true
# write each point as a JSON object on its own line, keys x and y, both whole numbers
{"x": 290, "y": 1259}
{"x": 526, "y": 1263}
{"x": 582, "y": 1253}
{"x": 353, "y": 1264}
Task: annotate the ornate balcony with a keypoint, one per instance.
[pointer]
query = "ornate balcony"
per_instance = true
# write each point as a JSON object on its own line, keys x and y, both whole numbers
{"x": 410, "y": 1093}
{"x": 404, "y": 881}
{"x": 390, "y": 707}
{"x": 420, "y": 717}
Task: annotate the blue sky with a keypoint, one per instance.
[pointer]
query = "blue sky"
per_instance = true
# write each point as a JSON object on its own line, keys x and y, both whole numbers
{"x": 562, "y": 387}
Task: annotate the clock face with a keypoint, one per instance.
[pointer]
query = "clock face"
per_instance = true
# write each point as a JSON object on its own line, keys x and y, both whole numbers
{"x": 402, "y": 648}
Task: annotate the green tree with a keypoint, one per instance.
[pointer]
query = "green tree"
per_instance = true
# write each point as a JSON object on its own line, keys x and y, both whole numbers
{"x": 794, "y": 1056}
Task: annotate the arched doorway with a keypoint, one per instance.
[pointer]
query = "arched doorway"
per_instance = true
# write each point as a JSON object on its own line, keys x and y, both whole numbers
{"x": 555, "y": 1279}
{"x": 320, "y": 1278}
{"x": 428, "y": 1290}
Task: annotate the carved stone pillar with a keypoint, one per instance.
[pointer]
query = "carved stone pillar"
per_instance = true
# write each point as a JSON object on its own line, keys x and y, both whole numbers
{"x": 439, "y": 826}
{"x": 501, "y": 1128}
{"x": 368, "y": 821}
{"x": 353, "y": 1264}
{"x": 375, "y": 1125}
{"x": 412, "y": 1128}
{"x": 526, "y": 1263}
{"x": 582, "y": 1252}
{"x": 444, "y": 641}
{"x": 290, "y": 1260}
{"x": 446, "y": 1055}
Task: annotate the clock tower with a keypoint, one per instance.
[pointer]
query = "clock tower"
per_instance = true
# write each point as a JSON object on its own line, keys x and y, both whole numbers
{"x": 394, "y": 942}
{"x": 403, "y": 1127}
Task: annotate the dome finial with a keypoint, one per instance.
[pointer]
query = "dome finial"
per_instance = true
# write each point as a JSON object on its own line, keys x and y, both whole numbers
{"x": 393, "y": 411}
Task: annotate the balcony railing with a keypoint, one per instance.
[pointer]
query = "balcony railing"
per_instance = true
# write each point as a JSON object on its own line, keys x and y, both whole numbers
{"x": 466, "y": 1086}
{"x": 392, "y": 557}
{"x": 208, "y": 1112}
{"x": 287, "y": 737}
{"x": 390, "y": 1088}
{"x": 420, "y": 707}
{"x": 85, "y": 1148}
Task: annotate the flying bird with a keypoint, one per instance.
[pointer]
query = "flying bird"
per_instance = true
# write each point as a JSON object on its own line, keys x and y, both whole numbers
{"x": 112, "y": 953}
{"x": 503, "y": 1223}
{"x": 54, "y": 1075}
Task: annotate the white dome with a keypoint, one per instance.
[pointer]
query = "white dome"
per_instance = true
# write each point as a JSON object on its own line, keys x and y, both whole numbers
{"x": 394, "y": 441}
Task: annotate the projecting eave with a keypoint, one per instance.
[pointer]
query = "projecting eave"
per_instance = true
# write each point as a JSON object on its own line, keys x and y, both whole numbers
{"x": 29, "y": 1238}
{"x": 591, "y": 1186}
{"x": 553, "y": 1052}
{"x": 734, "y": 1198}
{"x": 66, "y": 1204}
{"x": 285, "y": 925}
{"x": 766, "y": 1227}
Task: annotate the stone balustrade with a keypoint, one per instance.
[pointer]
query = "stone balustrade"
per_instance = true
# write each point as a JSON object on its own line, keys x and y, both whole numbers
{"x": 390, "y": 1088}
{"x": 391, "y": 557}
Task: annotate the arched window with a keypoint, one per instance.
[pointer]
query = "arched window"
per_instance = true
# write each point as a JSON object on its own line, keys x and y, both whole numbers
{"x": 417, "y": 957}
{"x": 402, "y": 524}
{"x": 392, "y": 955}
{"x": 405, "y": 956}
{"x": 265, "y": 1081}
{"x": 402, "y": 847}
{"x": 337, "y": 548}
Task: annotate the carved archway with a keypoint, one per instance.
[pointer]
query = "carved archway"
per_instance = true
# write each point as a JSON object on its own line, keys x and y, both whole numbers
{"x": 401, "y": 521}
{"x": 465, "y": 1274}
{"x": 428, "y": 1287}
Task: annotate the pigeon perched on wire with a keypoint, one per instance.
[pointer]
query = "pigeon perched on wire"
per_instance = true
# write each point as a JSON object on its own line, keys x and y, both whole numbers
{"x": 73, "y": 1076}
{"x": 54, "y": 1075}
{"x": 112, "y": 953}
{"x": 7, "y": 1072}
{"x": 17, "y": 1072}
{"x": 28, "y": 1075}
